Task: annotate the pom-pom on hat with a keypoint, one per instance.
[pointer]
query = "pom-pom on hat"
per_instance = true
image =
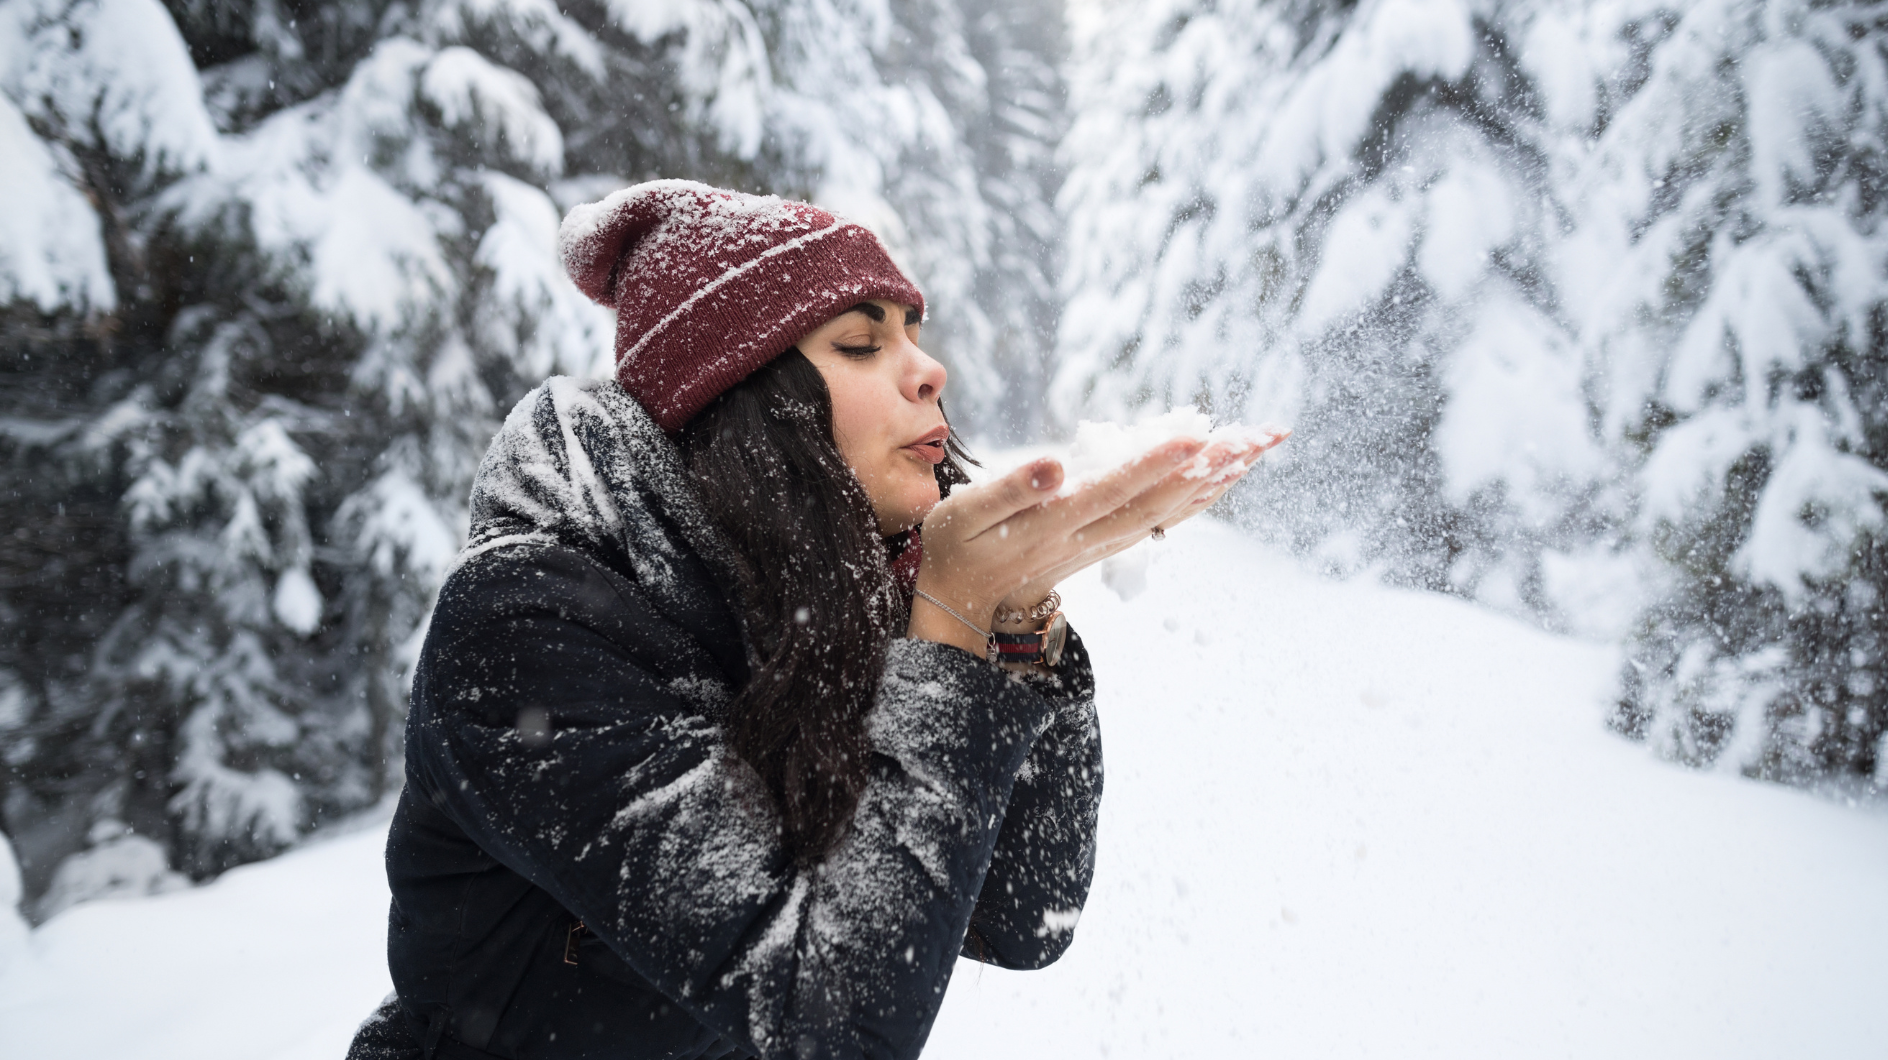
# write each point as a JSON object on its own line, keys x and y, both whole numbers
{"x": 710, "y": 284}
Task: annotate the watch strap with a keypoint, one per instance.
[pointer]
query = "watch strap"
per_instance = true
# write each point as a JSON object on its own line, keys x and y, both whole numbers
{"x": 1043, "y": 646}
{"x": 1016, "y": 647}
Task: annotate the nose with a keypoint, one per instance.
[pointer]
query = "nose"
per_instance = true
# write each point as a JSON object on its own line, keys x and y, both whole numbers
{"x": 924, "y": 377}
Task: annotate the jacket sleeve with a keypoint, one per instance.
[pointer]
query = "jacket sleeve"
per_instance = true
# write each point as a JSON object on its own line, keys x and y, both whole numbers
{"x": 540, "y": 726}
{"x": 1045, "y": 853}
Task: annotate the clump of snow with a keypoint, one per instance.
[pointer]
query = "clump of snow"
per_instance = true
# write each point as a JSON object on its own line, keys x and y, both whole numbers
{"x": 540, "y": 23}
{"x": 1126, "y": 573}
{"x": 1364, "y": 249}
{"x": 119, "y": 863}
{"x": 297, "y": 602}
{"x": 314, "y": 193}
{"x": 51, "y": 250}
{"x": 1596, "y": 588}
{"x": 111, "y": 74}
{"x": 1515, "y": 412}
{"x": 723, "y": 62}
{"x": 533, "y": 309}
{"x": 14, "y": 701}
{"x": 471, "y": 91}
{"x": 1818, "y": 503}
{"x": 399, "y": 529}
{"x": 1102, "y": 447}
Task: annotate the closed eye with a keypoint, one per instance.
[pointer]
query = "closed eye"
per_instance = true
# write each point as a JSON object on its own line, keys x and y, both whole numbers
{"x": 856, "y": 351}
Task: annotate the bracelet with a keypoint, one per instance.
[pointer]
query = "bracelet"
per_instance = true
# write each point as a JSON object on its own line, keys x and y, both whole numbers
{"x": 1050, "y": 605}
{"x": 951, "y": 611}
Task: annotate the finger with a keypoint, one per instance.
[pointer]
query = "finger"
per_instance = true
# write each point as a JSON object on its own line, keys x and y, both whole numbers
{"x": 1109, "y": 538}
{"x": 1193, "y": 507}
{"x": 1122, "y": 485}
{"x": 1091, "y": 556}
{"x": 1130, "y": 536}
{"x": 1215, "y": 487}
{"x": 973, "y": 510}
{"x": 1141, "y": 514}
{"x": 1189, "y": 496}
{"x": 1248, "y": 449}
{"x": 1210, "y": 494}
{"x": 1068, "y": 555}
{"x": 1197, "y": 477}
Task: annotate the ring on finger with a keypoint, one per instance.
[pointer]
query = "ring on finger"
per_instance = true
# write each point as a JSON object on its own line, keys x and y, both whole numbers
{"x": 1159, "y": 534}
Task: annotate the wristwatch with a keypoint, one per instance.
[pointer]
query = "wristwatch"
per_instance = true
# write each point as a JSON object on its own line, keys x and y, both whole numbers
{"x": 1043, "y": 646}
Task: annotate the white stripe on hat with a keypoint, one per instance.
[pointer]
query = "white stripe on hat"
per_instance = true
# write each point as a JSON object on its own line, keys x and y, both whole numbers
{"x": 709, "y": 287}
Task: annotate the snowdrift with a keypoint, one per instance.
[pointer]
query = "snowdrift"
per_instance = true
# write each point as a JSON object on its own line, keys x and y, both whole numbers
{"x": 1340, "y": 820}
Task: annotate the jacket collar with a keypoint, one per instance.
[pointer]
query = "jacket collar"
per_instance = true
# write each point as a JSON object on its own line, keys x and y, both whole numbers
{"x": 581, "y": 463}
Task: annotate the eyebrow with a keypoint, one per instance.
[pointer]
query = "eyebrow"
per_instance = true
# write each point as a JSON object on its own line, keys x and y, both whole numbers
{"x": 877, "y": 314}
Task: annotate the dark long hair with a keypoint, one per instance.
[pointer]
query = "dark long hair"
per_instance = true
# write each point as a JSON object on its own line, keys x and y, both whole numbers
{"x": 817, "y": 594}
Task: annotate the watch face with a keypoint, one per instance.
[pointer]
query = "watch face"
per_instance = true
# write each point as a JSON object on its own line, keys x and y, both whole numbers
{"x": 1054, "y": 637}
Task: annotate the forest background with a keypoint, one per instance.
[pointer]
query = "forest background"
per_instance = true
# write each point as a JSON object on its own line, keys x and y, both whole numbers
{"x": 1579, "y": 307}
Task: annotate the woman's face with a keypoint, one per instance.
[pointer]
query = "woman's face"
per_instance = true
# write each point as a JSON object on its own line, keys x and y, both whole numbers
{"x": 885, "y": 412}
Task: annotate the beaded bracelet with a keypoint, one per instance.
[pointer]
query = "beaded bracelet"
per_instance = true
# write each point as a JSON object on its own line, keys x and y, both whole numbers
{"x": 1050, "y": 605}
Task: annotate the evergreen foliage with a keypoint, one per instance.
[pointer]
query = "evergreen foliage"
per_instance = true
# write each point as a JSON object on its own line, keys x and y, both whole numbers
{"x": 1577, "y": 305}
{"x": 272, "y": 271}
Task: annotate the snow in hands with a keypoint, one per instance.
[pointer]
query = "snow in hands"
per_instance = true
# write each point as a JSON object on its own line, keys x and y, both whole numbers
{"x": 1100, "y": 447}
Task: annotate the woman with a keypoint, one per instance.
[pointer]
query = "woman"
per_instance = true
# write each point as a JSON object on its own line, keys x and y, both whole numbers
{"x": 706, "y": 755}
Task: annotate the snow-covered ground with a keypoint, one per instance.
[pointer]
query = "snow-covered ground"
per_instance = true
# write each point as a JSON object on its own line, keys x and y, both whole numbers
{"x": 1341, "y": 820}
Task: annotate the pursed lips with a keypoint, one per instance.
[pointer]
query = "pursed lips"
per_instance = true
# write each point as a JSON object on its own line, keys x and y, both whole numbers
{"x": 930, "y": 448}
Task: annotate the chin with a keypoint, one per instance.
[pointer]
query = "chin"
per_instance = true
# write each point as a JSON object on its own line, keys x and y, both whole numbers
{"x": 913, "y": 503}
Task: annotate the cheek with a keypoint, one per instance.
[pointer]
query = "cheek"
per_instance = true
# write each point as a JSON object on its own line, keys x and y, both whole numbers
{"x": 856, "y": 443}
{"x": 852, "y": 422}
{"x": 861, "y": 420}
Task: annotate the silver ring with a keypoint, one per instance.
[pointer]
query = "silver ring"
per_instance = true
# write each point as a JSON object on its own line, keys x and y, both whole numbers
{"x": 1159, "y": 534}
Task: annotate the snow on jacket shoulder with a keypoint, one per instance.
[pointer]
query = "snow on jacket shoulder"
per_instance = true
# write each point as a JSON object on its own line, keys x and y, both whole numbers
{"x": 581, "y": 868}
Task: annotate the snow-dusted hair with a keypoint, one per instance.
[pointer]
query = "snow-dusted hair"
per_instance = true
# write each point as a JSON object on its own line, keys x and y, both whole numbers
{"x": 818, "y": 598}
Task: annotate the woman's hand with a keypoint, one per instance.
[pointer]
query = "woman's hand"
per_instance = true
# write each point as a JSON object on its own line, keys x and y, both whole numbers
{"x": 1224, "y": 463}
{"x": 1011, "y": 540}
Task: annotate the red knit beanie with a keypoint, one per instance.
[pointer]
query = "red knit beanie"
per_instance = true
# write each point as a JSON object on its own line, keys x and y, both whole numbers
{"x": 710, "y": 284}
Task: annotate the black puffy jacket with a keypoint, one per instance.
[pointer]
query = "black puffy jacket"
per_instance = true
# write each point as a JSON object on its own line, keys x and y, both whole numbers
{"x": 579, "y": 866}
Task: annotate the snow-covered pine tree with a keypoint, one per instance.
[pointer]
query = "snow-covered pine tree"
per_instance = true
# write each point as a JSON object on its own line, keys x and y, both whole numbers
{"x": 317, "y": 231}
{"x": 286, "y": 266}
{"x": 1735, "y": 258}
{"x": 1329, "y": 214}
{"x": 1577, "y": 306}
{"x": 994, "y": 68}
